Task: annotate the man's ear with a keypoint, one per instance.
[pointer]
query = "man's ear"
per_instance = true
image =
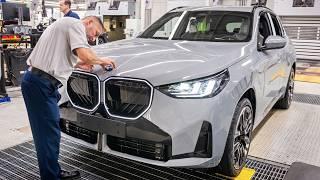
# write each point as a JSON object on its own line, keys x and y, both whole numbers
{"x": 90, "y": 21}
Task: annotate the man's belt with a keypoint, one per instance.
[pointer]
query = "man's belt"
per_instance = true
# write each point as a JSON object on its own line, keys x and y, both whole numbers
{"x": 42, "y": 74}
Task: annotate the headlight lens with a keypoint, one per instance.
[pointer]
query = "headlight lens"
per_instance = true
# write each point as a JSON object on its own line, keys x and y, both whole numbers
{"x": 199, "y": 88}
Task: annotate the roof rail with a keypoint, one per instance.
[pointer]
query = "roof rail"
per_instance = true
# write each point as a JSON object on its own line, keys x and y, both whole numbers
{"x": 180, "y": 7}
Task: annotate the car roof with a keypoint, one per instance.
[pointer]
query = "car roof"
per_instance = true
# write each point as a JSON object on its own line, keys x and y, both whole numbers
{"x": 217, "y": 8}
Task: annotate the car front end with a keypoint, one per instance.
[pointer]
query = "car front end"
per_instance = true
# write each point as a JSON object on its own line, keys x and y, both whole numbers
{"x": 181, "y": 124}
{"x": 168, "y": 103}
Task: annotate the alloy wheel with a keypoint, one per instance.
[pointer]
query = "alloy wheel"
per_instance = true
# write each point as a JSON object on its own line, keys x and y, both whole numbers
{"x": 242, "y": 136}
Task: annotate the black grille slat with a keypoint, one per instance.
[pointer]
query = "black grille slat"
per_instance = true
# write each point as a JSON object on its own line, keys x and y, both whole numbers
{"x": 141, "y": 108}
{"x": 125, "y": 107}
{"x": 133, "y": 106}
{"x": 127, "y": 98}
{"x": 80, "y": 94}
{"x": 133, "y": 143}
{"x": 78, "y": 132}
{"x": 139, "y": 148}
{"x": 136, "y": 149}
{"x": 80, "y": 91}
{"x": 83, "y": 90}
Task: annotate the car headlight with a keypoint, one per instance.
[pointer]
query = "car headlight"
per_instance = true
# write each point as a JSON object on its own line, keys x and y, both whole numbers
{"x": 198, "y": 88}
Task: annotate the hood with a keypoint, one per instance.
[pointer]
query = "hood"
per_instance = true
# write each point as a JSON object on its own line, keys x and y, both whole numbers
{"x": 167, "y": 61}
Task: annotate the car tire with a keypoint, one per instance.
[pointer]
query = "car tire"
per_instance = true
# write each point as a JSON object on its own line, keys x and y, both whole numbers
{"x": 240, "y": 135}
{"x": 285, "y": 102}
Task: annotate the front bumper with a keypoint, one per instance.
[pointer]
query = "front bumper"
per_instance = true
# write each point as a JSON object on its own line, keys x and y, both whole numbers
{"x": 140, "y": 138}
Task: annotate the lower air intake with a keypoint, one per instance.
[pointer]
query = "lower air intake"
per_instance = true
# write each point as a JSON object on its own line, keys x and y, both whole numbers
{"x": 78, "y": 132}
{"x": 140, "y": 148}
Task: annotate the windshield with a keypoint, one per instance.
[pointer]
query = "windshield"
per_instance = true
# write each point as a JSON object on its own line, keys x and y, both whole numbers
{"x": 163, "y": 27}
{"x": 220, "y": 26}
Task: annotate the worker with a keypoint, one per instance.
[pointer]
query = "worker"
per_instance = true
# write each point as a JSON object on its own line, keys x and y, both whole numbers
{"x": 65, "y": 8}
{"x": 202, "y": 25}
{"x": 50, "y": 65}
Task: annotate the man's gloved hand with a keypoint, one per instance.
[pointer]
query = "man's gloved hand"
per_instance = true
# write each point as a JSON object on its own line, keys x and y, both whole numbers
{"x": 108, "y": 63}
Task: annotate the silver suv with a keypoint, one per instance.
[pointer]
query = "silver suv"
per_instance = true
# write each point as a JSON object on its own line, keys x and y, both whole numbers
{"x": 188, "y": 91}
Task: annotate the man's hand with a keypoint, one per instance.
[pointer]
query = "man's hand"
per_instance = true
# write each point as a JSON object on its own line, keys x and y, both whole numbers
{"x": 87, "y": 56}
{"x": 106, "y": 62}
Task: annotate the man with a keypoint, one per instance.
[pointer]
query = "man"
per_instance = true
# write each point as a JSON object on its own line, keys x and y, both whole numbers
{"x": 51, "y": 63}
{"x": 65, "y": 8}
{"x": 202, "y": 25}
{"x": 2, "y": 80}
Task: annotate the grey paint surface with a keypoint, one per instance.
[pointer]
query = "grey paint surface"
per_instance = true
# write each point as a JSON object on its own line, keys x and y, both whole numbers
{"x": 163, "y": 62}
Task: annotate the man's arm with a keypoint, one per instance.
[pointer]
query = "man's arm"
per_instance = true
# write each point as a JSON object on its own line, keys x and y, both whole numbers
{"x": 76, "y": 35}
{"x": 88, "y": 57}
{"x": 81, "y": 65}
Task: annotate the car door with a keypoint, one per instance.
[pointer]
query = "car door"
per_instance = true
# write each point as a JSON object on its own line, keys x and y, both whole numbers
{"x": 269, "y": 60}
{"x": 284, "y": 61}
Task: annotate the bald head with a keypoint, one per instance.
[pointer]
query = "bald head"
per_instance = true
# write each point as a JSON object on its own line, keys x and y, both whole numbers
{"x": 95, "y": 19}
{"x": 94, "y": 27}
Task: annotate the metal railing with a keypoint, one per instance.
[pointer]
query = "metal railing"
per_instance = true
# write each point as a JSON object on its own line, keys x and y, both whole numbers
{"x": 305, "y": 35}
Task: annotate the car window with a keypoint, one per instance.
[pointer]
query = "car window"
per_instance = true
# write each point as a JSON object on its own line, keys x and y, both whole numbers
{"x": 162, "y": 28}
{"x": 276, "y": 25}
{"x": 264, "y": 28}
{"x": 215, "y": 26}
{"x": 165, "y": 30}
{"x": 203, "y": 26}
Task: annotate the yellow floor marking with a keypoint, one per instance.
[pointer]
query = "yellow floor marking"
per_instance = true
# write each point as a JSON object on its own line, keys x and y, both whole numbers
{"x": 313, "y": 69}
{"x": 307, "y": 78}
{"x": 245, "y": 174}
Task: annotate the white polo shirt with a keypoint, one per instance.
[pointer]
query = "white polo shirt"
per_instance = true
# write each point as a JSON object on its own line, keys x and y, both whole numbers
{"x": 54, "y": 51}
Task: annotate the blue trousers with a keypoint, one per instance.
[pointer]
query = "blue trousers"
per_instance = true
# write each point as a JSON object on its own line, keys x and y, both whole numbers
{"x": 41, "y": 99}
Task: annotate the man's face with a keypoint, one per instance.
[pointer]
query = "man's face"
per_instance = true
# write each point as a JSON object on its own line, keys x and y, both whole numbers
{"x": 93, "y": 30}
{"x": 62, "y": 6}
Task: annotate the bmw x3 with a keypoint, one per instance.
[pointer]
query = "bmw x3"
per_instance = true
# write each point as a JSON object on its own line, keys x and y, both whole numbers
{"x": 188, "y": 91}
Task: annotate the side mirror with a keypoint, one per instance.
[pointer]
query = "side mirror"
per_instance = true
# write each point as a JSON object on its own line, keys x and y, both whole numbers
{"x": 274, "y": 42}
